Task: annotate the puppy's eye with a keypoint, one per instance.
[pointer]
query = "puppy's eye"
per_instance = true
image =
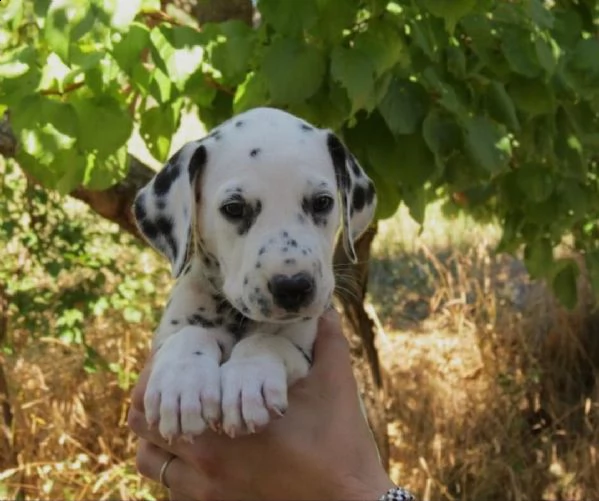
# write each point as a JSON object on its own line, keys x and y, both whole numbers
{"x": 322, "y": 203}
{"x": 233, "y": 210}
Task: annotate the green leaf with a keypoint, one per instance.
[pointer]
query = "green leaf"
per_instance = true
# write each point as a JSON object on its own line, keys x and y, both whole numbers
{"x": 177, "y": 51}
{"x": 442, "y": 135}
{"x": 287, "y": 19}
{"x": 387, "y": 194}
{"x": 104, "y": 126}
{"x": 128, "y": 52}
{"x": 500, "y": 106}
{"x": 233, "y": 55}
{"x": 487, "y": 144}
{"x": 451, "y": 12}
{"x": 415, "y": 199}
{"x": 355, "y": 71}
{"x": 251, "y": 93}
{"x": 383, "y": 45}
{"x": 417, "y": 163}
{"x": 532, "y": 96}
{"x": 102, "y": 173}
{"x": 57, "y": 32}
{"x": 538, "y": 257}
{"x": 535, "y": 181}
{"x": 519, "y": 50}
{"x": 293, "y": 71}
{"x": 157, "y": 128}
{"x": 565, "y": 282}
{"x": 404, "y": 106}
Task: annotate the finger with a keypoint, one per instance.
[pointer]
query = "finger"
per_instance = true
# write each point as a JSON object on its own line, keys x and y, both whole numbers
{"x": 187, "y": 481}
{"x": 331, "y": 349}
{"x": 138, "y": 424}
{"x": 137, "y": 396}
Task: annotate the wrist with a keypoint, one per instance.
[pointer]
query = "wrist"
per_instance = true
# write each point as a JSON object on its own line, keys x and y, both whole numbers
{"x": 371, "y": 489}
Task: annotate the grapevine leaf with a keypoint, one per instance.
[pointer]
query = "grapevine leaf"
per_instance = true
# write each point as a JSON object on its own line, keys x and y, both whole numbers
{"x": 355, "y": 71}
{"x": 487, "y": 145}
{"x": 404, "y": 106}
{"x": 286, "y": 20}
{"x": 232, "y": 56}
{"x": 103, "y": 125}
{"x": 451, "y": 12}
{"x": 293, "y": 71}
{"x": 157, "y": 127}
{"x": 565, "y": 282}
{"x": 538, "y": 257}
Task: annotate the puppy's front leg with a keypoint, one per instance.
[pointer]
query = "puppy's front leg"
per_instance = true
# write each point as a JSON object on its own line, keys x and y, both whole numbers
{"x": 183, "y": 391}
{"x": 255, "y": 379}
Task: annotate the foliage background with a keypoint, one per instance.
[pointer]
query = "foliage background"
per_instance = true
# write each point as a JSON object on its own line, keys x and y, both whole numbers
{"x": 488, "y": 106}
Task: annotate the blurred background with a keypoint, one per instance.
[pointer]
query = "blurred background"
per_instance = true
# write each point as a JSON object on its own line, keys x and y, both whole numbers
{"x": 472, "y": 311}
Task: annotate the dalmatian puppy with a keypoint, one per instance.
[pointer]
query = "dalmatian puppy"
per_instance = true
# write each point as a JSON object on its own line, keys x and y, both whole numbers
{"x": 248, "y": 218}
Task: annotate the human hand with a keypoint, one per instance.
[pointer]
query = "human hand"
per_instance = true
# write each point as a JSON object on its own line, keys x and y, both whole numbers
{"x": 321, "y": 449}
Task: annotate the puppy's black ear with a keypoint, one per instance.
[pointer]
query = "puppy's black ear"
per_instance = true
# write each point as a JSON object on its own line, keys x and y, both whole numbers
{"x": 164, "y": 209}
{"x": 358, "y": 196}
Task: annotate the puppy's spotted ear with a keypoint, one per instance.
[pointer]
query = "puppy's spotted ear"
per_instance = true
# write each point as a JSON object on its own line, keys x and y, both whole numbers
{"x": 164, "y": 208}
{"x": 358, "y": 197}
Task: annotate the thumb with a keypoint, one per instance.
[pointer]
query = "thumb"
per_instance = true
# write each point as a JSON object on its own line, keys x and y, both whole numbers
{"x": 331, "y": 349}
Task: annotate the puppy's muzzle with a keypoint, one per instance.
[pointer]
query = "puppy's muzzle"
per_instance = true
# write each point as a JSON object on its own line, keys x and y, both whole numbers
{"x": 292, "y": 292}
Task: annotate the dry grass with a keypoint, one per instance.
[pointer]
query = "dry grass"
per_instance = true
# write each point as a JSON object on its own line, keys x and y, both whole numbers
{"x": 492, "y": 385}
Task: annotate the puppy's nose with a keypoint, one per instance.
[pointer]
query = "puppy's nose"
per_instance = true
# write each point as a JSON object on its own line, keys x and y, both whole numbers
{"x": 291, "y": 292}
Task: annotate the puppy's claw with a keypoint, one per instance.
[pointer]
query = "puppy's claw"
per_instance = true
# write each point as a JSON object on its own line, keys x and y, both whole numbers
{"x": 188, "y": 437}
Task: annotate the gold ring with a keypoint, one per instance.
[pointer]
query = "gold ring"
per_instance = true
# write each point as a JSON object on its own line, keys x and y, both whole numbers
{"x": 163, "y": 471}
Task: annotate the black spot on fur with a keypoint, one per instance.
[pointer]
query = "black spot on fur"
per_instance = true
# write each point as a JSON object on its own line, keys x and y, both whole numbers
{"x": 292, "y": 242}
{"x": 138, "y": 208}
{"x": 258, "y": 264}
{"x": 339, "y": 158}
{"x": 149, "y": 230}
{"x": 197, "y": 319}
{"x": 304, "y": 252}
{"x": 245, "y": 281}
{"x": 198, "y": 353}
{"x": 306, "y": 205}
{"x": 306, "y": 127}
{"x": 165, "y": 179}
{"x": 285, "y": 249}
{"x": 254, "y": 152}
{"x": 174, "y": 322}
{"x": 289, "y": 261}
{"x": 301, "y": 218}
{"x": 161, "y": 204}
{"x": 249, "y": 217}
{"x": 285, "y": 234}
{"x": 354, "y": 166}
{"x": 215, "y": 134}
{"x": 239, "y": 123}
{"x": 238, "y": 324}
{"x": 262, "y": 250}
{"x": 197, "y": 162}
{"x": 358, "y": 198}
{"x": 370, "y": 192}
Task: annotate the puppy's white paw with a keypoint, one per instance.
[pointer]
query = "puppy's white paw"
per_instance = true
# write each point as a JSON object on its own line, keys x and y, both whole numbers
{"x": 183, "y": 392}
{"x": 251, "y": 387}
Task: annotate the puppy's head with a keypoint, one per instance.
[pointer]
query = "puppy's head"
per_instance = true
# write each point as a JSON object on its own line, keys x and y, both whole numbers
{"x": 264, "y": 195}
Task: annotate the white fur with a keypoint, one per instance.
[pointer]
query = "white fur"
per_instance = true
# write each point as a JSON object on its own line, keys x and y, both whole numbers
{"x": 212, "y": 367}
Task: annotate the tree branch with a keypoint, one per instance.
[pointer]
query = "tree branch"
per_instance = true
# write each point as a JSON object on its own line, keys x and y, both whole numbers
{"x": 113, "y": 203}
